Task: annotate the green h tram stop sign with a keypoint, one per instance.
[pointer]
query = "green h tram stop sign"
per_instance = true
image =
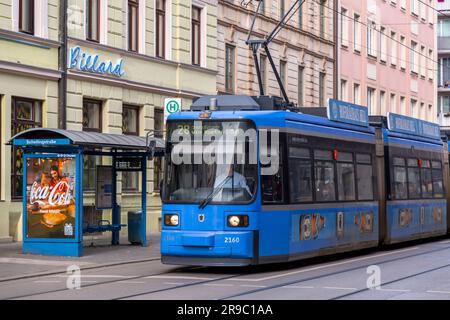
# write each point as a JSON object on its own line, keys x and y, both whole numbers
{"x": 171, "y": 105}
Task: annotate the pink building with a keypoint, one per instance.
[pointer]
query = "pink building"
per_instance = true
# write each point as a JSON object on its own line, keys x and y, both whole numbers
{"x": 388, "y": 54}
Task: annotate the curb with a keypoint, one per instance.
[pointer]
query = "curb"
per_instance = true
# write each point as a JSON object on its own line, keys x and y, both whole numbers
{"x": 49, "y": 273}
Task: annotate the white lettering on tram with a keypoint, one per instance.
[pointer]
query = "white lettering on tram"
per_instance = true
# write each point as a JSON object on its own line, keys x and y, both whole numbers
{"x": 232, "y": 145}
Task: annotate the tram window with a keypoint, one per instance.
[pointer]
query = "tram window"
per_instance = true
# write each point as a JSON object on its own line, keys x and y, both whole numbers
{"x": 322, "y": 155}
{"x": 324, "y": 181}
{"x": 272, "y": 185}
{"x": 300, "y": 173}
{"x": 399, "y": 162}
{"x": 365, "y": 181}
{"x": 363, "y": 158}
{"x": 413, "y": 179}
{"x": 299, "y": 153}
{"x": 427, "y": 182}
{"x": 438, "y": 188}
{"x": 436, "y": 164}
{"x": 400, "y": 184}
{"x": 346, "y": 177}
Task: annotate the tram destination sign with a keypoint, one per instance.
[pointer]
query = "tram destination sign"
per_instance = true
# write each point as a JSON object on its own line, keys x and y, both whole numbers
{"x": 128, "y": 164}
{"x": 350, "y": 113}
{"x": 407, "y": 125}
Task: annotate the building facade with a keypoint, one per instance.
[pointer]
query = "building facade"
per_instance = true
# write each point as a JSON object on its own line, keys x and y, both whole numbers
{"x": 124, "y": 57}
{"x": 443, "y": 83}
{"x": 388, "y": 56}
{"x": 303, "y": 51}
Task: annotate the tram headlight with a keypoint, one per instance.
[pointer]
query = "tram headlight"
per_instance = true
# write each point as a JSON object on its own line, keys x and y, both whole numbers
{"x": 238, "y": 221}
{"x": 171, "y": 220}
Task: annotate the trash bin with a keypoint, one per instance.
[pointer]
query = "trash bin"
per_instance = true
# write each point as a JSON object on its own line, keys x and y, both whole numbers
{"x": 134, "y": 227}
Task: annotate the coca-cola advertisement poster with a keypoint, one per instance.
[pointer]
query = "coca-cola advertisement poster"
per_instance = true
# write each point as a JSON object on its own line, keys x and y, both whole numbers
{"x": 50, "y": 198}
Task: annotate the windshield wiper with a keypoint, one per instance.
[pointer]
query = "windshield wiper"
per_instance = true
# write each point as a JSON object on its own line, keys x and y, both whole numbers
{"x": 213, "y": 193}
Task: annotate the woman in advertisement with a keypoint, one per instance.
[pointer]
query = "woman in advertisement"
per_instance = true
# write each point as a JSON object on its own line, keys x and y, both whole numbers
{"x": 51, "y": 205}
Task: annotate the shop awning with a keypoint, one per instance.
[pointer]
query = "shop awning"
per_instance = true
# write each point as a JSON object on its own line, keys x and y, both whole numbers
{"x": 46, "y": 137}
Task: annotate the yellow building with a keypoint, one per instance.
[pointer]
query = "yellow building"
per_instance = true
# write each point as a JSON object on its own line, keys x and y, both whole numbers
{"x": 124, "y": 58}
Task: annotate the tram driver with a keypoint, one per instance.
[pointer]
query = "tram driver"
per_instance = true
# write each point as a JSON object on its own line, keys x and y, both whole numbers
{"x": 230, "y": 179}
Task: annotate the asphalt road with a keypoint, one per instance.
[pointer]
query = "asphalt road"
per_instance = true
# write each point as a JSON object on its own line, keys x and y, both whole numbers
{"x": 416, "y": 271}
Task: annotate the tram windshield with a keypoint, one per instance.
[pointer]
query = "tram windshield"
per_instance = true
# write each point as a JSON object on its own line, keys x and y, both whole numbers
{"x": 210, "y": 162}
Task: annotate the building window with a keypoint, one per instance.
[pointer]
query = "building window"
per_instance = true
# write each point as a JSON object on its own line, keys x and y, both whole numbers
{"x": 263, "y": 70}
{"x": 92, "y": 115}
{"x": 322, "y": 18}
{"x": 414, "y": 7}
{"x": 444, "y": 72}
{"x": 423, "y": 62}
{"x": 133, "y": 25}
{"x": 382, "y": 108}
{"x": 92, "y": 123}
{"x": 283, "y": 74}
{"x": 343, "y": 90}
{"x": 26, "y": 114}
{"x": 344, "y": 28}
{"x": 300, "y": 16}
{"x": 262, "y": 7}
{"x": 371, "y": 104}
{"x": 356, "y": 93}
{"x": 93, "y": 20}
{"x": 322, "y": 89}
{"x": 301, "y": 71}
{"x": 160, "y": 28}
{"x": 130, "y": 120}
{"x": 383, "y": 44}
{"x": 282, "y": 8}
{"x": 413, "y": 111}
{"x": 130, "y": 126}
{"x": 357, "y": 32}
{"x": 393, "y": 103}
{"x": 430, "y": 64}
{"x": 26, "y": 16}
{"x": 444, "y": 104}
{"x": 413, "y": 57}
{"x": 403, "y": 105}
{"x": 402, "y": 52}
{"x": 371, "y": 39}
{"x": 158, "y": 162}
{"x": 229, "y": 68}
{"x": 394, "y": 49}
{"x": 195, "y": 37}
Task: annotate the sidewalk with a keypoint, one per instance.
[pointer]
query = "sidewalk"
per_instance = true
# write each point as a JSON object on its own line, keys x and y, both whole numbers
{"x": 15, "y": 265}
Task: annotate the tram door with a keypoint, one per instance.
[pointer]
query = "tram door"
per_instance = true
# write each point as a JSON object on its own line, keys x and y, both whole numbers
{"x": 446, "y": 173}
{"x": 381, "y": 183}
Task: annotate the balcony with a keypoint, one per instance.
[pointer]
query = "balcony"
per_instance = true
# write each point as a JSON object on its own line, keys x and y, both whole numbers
{"x": 443, "y": 43}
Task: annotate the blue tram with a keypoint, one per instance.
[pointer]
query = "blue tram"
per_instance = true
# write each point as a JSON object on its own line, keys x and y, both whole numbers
{"x": 296, "y": 185}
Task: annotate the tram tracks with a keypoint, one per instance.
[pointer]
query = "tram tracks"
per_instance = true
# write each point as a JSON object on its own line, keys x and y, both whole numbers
{"x": 132, "y": 278}
{"x": 299, "y": 281}
{"x": 234, "y": 277}
{"x": 393, "y": 281}
{"x": 265, "y": 288}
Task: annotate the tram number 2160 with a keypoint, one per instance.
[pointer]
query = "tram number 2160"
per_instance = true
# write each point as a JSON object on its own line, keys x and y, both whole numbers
{"x": 232, "y": 240}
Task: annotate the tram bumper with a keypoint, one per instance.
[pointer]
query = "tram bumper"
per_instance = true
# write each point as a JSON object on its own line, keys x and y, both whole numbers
{"x": 207, "y": 248}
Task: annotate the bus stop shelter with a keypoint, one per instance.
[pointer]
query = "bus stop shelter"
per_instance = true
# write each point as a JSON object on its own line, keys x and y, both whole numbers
{"x": 53, "y": 169}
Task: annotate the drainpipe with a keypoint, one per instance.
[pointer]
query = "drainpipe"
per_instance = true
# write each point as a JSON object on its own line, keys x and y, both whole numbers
{"x": 62, "y": 84}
